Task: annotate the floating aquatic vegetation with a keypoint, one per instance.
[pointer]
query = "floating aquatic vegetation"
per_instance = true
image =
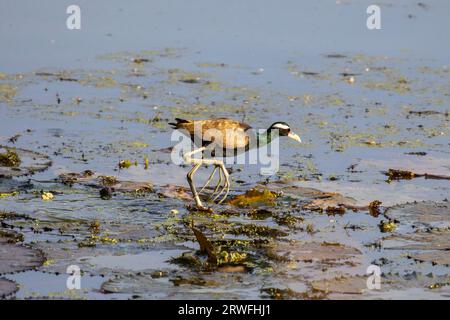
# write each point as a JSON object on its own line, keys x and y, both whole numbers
{"x": 335, "y": 210}
{"x": 394, "y": 174}
{"x": 427, "y": 112}
{"x": 71, "y": 178}
{"x": 106, "y": 193}
{"x": 95, "y": 180}
{"x": 193, "y": 281}
{"x": 95, "y": 237}
{"x": 46, "y": 196}
{"x": 125, "y": 164}
{"x": 177, "y": 192}
{"x": 314, "y": 251}
{"x": 280, "y": 294}
{"x": 94, "y": 227}
{"x": 10, "y": 158}
{"x": 108, "y": 180}
{"x": 343, "y": 284}
{"x": 105, "y": 82}
{"x": 387, "y": 226}
{"x": 374, "y": 208}
{"x": 187, "y": 259}
{"x": 288, "y": 220}
{"x": 11, "y": 237}
{"x": 434, "y": 239}
{"x": 140, "y": 60}
{"x": 254, "y": 230}
{"x": 335, "y": 201}
{"x": 226, "y": 257}
{"x": 93, "y": 240}
{"x": 335, "y": 56}
{"x": 425, "y": 214}
{"x": 254, "y": 197}
{"x": 7, "y": 288}
{"x": 16, "y": 258}
{"x": 8, "y": 194}
{"x": 19, "y": 162}
{"x": 436, "y": 257}
{"x": 218, "y": 256}
{"x": 7, "y": 92}
{"x": 186, "y": 77}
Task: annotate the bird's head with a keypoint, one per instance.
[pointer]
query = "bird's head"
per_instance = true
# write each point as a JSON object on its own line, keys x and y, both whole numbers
{"x": 284, "y": 130}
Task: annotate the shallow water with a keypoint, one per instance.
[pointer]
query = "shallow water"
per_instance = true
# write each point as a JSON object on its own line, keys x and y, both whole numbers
{"x": 254, "y": 62}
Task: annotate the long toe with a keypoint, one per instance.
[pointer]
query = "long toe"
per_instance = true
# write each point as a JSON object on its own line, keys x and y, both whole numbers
{"x": 209, "y": 180}
{"x": 217, "y": 186}
{"x": 226, "y": 188}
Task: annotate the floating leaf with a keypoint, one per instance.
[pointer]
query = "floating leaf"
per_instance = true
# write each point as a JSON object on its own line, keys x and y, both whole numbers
{"x": 346, "y": 285}
{"x": 314, "y": 251}
{"x": 7, "y": 288}
{"x": 14, "y": 258}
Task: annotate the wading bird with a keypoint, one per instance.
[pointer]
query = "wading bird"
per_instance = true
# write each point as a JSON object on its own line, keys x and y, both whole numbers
{"x": 224, "y": 134}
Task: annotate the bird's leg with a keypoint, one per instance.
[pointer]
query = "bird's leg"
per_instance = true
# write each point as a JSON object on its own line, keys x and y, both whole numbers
{"x": 223, "y": 171}
{"x": 209, "y": 179}
{"x": 197, "y": 163}
{"x": 192, "y": 185}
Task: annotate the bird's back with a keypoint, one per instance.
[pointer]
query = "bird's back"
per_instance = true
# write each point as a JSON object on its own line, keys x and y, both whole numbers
{"x": 225, "y": 133}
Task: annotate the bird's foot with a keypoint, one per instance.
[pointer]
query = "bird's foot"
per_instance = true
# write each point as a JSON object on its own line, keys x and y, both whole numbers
{"x": 225, "y": 187}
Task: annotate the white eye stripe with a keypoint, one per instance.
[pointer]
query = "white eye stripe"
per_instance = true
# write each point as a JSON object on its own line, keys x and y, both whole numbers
{"x": 281, "y": 126}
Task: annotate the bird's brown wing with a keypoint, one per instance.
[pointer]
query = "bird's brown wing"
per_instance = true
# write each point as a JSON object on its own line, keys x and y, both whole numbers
{"x": 232, "y": 131}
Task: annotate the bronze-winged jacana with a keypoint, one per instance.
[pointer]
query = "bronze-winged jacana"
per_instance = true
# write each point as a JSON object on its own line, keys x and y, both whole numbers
{"x": 225, "y": 134}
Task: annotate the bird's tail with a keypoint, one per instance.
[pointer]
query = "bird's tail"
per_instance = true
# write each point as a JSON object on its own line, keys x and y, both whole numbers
{"x": 179, "y": 122}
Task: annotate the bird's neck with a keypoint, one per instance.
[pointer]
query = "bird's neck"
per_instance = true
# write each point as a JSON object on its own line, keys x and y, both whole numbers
{"x": 264, "y": 138}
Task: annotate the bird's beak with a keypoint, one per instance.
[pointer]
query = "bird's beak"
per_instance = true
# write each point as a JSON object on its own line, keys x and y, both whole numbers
{"x": 295, "y": 137}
